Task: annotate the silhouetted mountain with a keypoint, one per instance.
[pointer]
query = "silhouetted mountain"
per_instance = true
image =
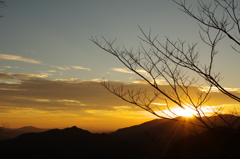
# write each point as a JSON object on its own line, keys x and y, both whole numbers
{"x": 53, "y": 135}
{"x": 67, "y": 143}
{"x": 219, "y": 143}
{"x": 30, "y": 129}
{"x": 155, "y": 139}
{"x": 12, "y": 133}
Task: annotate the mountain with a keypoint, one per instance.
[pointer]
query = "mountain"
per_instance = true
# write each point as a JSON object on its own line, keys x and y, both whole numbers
{"x": 66, "y": 143}
{"x": 155, "y": 139}
{"x": 219, "y": 143}
{"x": 12, "y": 133}
{"x": 30, "y": 129}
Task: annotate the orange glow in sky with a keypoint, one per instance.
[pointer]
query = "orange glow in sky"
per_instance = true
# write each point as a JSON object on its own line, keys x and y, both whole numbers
{"x": 50, "y": 71}
{"x": 187, "y": 112}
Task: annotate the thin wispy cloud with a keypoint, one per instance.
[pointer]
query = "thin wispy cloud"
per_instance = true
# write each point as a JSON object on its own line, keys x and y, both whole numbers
{"x": 96, "y": 80}
{"x": 125, "y": 70}
{"x": 8, "y": 67}
{"x": 140, "y": 71}
{"x": 70, "y": 80}
{"x": 60, "y": 68}
{"x": 215, "y": 89}
{"x": 21, "y": 76}
{"x": 18, "y": 58}
{"x": 3, "y": 68}
{"x": 30, "y": 76}
{"x": 81, "y": 68}
{"x": 122, "y": 70}
{"x": 51, "y": 71}
{"x": 71, "y": 67}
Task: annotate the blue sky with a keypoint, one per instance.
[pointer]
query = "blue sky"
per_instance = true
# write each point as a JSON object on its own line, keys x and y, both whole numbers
{"x": 49, "y": 40}
{"x": 57, "y": 33}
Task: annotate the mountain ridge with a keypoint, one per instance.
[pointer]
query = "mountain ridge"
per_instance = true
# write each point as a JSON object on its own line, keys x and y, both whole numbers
{"x": 65, "y": 143}
{"x": 147, "y": 140}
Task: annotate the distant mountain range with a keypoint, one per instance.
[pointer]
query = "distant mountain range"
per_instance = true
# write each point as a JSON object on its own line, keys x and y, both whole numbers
{"x": 66, "y": 143}
{"x": 150, "y": 140}
{"x": 12, "y": 133}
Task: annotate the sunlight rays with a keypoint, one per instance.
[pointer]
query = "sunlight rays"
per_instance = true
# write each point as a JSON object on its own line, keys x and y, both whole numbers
{"x": 187, "y": 112}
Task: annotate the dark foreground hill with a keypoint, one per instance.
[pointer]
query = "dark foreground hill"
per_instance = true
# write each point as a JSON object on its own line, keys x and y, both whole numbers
{"x": 151, "y": 140}
{"x": 163, "y": 138}
{"x": 222, "y": 143}
{"x": 67, "y": 143}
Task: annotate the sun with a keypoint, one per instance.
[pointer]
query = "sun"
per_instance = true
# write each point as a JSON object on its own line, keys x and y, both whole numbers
{"x": 187, "y": 112}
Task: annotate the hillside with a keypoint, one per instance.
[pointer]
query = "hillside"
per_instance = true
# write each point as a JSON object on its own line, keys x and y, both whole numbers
{"x": 155, "y": 139}
{"x": 67, "y": 143}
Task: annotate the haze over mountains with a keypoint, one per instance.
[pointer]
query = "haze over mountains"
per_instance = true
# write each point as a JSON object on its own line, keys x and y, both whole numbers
{"x": 148, "y": 140}
{"x": 12, "y": 133}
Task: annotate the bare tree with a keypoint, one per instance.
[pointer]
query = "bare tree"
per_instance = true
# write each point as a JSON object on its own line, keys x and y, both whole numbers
{"x": 175, "y": 61}
{"x": 2, "y": 129}
{"x": 215, "y": 29}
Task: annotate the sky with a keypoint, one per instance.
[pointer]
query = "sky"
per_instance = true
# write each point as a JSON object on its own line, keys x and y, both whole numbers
{"x": 50, "y": 72}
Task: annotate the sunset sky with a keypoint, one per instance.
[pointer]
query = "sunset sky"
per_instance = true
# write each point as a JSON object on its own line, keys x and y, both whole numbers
{"x": 50, "y": 71}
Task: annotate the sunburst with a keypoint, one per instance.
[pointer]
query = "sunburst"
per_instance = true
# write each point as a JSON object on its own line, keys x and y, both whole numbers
{"x": 187, "y": 112}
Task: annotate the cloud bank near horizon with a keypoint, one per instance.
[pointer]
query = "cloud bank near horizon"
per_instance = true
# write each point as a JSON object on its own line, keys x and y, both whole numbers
{"x": 35, "y": 92}
{"x": 40, "y": 102}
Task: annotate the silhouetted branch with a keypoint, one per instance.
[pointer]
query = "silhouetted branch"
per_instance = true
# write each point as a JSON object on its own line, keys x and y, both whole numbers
{"x": 174, "y": 60}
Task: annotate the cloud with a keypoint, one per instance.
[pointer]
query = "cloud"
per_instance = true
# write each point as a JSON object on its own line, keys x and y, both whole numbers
{"x": 77, "y": 98}
{"x": 122, "y": 113}
{"x": 126, "y": 70}
{"x": 70, "y": 80}
{"x": 10, "y": 89}
{"x": 42, "y": 100}
{"x": 6, "y": 76}
{"x": 8, "y": 67}
{"x": 30, "y": 76}
{"x": 60, "y": 68}
{"x": 140, "y": 71}
{"x": 160, "y": 81}
{"x": 70, "y": 67}
{"x": 159, "y": 104}
{"x": 215, "y": 89}
{"x": 18, "y": 58}
{"x": 61, "y": 94}
{"x": 122, "y": 70}
{"x": 96, "y": 80}
{"x": 51, "y": 71}
{"x": 22, "y": 76}
{"x": 81, "y": 68}
{"x": 122, "y": 107}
